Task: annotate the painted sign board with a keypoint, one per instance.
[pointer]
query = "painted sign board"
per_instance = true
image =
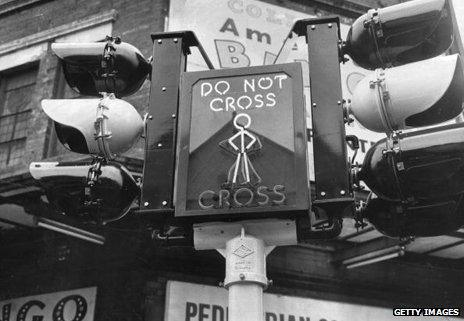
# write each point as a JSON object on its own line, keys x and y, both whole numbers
{"x": 242, "y": 142}
{"x": 195, "y": 302}
{"x": 75, "y": 305}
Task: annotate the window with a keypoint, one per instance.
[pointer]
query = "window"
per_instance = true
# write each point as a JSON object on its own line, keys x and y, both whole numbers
{"x": 16, "y": 91}
{"x": 62, "y": 91}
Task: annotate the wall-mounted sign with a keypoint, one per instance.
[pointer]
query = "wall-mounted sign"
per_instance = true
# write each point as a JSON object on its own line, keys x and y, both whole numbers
{"x": 196, "y": 302}
{"x": 75, "y": 305}
{"x": 237, "y": 152}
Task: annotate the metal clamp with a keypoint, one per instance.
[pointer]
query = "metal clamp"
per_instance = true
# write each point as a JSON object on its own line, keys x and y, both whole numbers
{"x": 108, "y": 57}
{"x": 392, "y": 152}
{"x": 384, "y": 102}
{"x": 92, "y": 178}
{"x": 102, "y": 133}
{"x": 374, "y": 24}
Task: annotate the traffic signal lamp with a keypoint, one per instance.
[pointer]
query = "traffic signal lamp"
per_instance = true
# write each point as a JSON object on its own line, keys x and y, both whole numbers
{"x": 428, "y": 164}
{"x": 400, "y": 34}
{"x": 99, "y": 127}
{"x": 419, "y": 90}
{"x": 112, "y": 67}
{"x": 416, "y": 176}
{"x": 413, "y": 95}
{"x": 428, "y": 218}
{"x": 66, "y": 186}
{"x": 418, "y": 184}
{"x": 103, "y": 128}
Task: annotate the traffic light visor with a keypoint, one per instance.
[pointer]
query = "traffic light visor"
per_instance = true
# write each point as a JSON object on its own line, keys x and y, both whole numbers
{"x": 103, "y": 127}
{"x": 89, "y": 71}
{"x": 413, "y": 95}
{"x": 400, "y": 34}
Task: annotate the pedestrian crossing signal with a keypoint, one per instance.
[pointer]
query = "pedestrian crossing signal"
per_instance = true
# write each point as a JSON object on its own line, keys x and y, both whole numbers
{"x": 242, "y": 143}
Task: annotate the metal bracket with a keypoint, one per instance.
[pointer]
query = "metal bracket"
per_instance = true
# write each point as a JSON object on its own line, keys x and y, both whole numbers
{"x": 332, "y": 172}
{"x": 108, "y": 56}
{"x": 215, "y": 235}
{"x": 374, "y": 23}
{"x": 170, "y": 51}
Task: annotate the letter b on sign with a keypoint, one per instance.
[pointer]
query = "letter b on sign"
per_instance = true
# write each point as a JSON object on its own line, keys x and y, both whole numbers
{"x": 231, "y": 54}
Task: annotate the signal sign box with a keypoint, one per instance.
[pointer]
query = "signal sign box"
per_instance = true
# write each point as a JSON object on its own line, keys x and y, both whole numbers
{"x": 242, "y": 143}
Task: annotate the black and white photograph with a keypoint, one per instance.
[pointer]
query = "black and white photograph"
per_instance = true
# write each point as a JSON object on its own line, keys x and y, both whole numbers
{"x": 231, "y": 160}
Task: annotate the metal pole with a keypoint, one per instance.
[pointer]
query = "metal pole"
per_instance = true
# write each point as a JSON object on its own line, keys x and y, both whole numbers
{"x": 246, "y": 276}
{"x": 245, "y": 256}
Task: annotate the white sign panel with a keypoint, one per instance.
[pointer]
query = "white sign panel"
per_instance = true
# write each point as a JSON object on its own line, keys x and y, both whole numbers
{"x": 75, "y": 305}
{"x": 195, "y": 302}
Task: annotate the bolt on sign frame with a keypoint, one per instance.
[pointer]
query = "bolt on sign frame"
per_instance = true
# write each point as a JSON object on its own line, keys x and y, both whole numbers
{"x": 242, "y": 144}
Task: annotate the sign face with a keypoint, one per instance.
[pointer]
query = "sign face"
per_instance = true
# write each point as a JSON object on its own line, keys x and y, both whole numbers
{"x": 242, "y": 142}
{"x": 75, "y": 305}
{"x": 195, "y": 302}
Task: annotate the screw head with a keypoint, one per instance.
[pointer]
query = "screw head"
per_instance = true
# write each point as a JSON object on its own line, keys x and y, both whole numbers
{"x": 323, "y": 193}
{"x": 314, "y": 104}
{"x": 163, "y": 88}
{"x": 160, "y": 145}
{"x": 342, "y": 192}
{"x": 313, "y": 27}
{"x": 339, "y": 102}
{"x": 175, "y": 40}
{"x": 159, "y": 41}
{"x": 173, "y": 115}
{"x": 150, "y": 117}
{"x": 146, "y": 204}
{"x": 330, "y": 25}
{"x": 164, "y": 203}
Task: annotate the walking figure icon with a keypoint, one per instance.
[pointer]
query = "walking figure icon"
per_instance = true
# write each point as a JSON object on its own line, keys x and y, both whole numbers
{"x": 242, "y": 144}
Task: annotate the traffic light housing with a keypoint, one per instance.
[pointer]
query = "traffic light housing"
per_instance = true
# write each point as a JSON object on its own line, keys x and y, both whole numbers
{"x": 112, "y": 67}
{"x": 415, "y": 176}
{"x": 100, "y": 127}
{"x": 428, "y": 164}
{"x": 400, "y": 34}
{"x": 99, "y": 190}
{"x": 67, "y": 189}
{"x": 429, "y": 218}
{"x": 414, "y": 95}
